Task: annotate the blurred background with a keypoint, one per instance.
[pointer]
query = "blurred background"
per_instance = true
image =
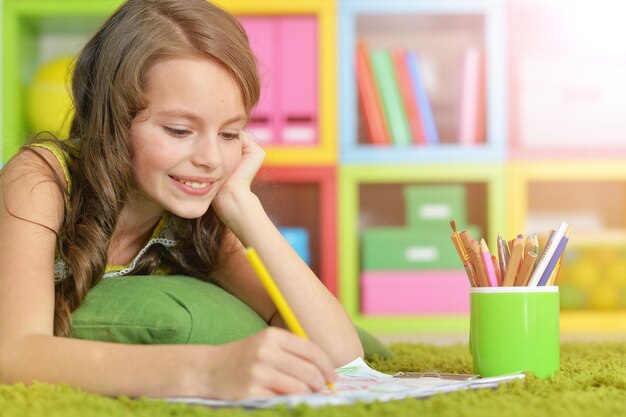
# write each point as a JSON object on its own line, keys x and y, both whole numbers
{"x": 384, "y": 120}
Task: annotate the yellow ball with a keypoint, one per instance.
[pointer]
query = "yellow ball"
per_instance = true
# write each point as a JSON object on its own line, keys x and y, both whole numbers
{"x": 49, "y": 103}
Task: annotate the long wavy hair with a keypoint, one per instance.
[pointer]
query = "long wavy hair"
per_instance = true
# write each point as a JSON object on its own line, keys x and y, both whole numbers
{"x": 108, "y": 86}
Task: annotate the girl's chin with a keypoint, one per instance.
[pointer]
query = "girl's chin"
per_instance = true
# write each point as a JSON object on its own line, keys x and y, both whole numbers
{"x": 188, "y": 212}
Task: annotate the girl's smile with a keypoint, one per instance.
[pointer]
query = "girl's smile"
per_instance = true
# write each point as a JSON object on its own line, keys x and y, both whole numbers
{"x": 194, "y": 185}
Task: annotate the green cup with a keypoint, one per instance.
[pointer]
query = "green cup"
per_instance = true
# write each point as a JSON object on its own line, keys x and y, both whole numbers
{"x": 514, "y": 329}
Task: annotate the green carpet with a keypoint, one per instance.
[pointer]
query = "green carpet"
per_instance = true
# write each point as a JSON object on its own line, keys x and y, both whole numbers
{"x": 592, "y": 381}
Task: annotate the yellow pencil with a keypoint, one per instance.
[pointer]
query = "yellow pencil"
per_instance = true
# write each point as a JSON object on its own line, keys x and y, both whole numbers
{"x": 277, "y": 297}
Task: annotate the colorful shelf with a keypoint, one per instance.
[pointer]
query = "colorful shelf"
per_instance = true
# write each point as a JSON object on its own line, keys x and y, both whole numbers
{"x": 25, "y": 21}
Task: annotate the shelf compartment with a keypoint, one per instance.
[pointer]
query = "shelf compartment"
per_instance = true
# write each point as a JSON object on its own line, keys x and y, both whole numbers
{"x": 372, "y": 196}
{"x": 325, "y": 152}
{"x": 33, "y": 32}
{"x": 591, "y": 196}
{"x": 460, "y": 24}
{"x": 566, "y": 80}
{"x": 305, "y": 197}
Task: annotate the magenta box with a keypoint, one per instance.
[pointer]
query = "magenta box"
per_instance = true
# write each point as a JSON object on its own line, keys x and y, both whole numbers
{"x": 414, "y": 292}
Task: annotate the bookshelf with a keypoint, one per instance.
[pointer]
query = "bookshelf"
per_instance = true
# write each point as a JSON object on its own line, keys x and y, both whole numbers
{"x": 371, "y": 177}
{"x": 532, "y": 171}
{"x": 35, "y": 31}
{"x": 567, "y": 148}
{"x": 528, "y": 171}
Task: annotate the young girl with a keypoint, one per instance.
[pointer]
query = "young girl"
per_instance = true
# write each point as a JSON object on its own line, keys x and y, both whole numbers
{"x": 156, "y": 176}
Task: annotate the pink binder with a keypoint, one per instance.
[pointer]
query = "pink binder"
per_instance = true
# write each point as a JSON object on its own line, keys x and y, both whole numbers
{"x": 414, "y": 292}
{"x": 298, "y": 69}
{"x": 262, "y": 35}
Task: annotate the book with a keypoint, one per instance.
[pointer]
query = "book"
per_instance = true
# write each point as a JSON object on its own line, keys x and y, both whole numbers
{"x": 369, "y": 100}
{"x": 481, "y": 117}
{"x": 360, "y": 383}
{"x": 389, "y": 91}
{"x": 398, "y": 56}
{"x": 471, "y": 127}
{"x": 421, "y": 96}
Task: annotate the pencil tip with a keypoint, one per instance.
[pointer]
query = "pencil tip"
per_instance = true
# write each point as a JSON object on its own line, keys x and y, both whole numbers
{"x": 453, "y": 225}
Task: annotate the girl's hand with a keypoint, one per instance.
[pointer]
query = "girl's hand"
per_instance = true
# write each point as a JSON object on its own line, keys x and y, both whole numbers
{"x": 237, "y": 187}
{"x": 252, "y": 156}
{"x": 271, "y": 362}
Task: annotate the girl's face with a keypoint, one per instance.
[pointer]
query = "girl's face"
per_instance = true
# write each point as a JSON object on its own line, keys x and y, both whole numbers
{"x": 187, "y": 142}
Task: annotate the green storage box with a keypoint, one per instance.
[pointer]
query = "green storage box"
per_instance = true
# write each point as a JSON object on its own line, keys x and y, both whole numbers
{"x": 401, "y": 249}
{"x": 428, "y": 205}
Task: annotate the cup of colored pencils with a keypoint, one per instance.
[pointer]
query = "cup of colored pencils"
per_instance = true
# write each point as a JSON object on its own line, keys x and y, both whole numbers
{"x": 517, "y": 262}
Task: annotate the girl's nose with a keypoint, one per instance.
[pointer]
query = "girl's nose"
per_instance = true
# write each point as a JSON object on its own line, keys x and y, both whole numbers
{"x": 207, "y": 152}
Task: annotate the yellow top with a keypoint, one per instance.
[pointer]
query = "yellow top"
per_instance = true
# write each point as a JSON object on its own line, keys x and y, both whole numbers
{"x": 162, "y": 233}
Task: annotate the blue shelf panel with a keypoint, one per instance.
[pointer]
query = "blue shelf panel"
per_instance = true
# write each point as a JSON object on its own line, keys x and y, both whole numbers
{"x": 494, "y": 150}
{"x": 369, "y": 154}
{"x": 416, "y": 6}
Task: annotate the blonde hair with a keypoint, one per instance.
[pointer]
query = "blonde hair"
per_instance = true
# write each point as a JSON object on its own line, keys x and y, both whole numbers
{"x": 107, "y": 88}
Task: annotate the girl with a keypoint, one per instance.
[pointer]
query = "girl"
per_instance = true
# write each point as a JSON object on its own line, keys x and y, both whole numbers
{"x": 156, "y": 176}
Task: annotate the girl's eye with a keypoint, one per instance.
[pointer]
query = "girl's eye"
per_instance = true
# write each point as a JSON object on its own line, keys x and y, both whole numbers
{"x": 178, "y": 133}
{"x": 229, "y": 136}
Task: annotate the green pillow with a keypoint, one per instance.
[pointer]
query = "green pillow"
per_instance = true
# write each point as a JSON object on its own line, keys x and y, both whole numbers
{"x": 163, "y": 310}
{"x": 172, "y": 310}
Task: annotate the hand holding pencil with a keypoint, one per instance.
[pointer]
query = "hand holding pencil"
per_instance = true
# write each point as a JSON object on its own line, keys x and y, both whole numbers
{"x": 281, "y": 304}
{"x": 518, "y": 263}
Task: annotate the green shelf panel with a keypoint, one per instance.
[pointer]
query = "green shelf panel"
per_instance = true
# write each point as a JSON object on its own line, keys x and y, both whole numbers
{"x": 47, "y": 8}
{"x": 413, "y": 324}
